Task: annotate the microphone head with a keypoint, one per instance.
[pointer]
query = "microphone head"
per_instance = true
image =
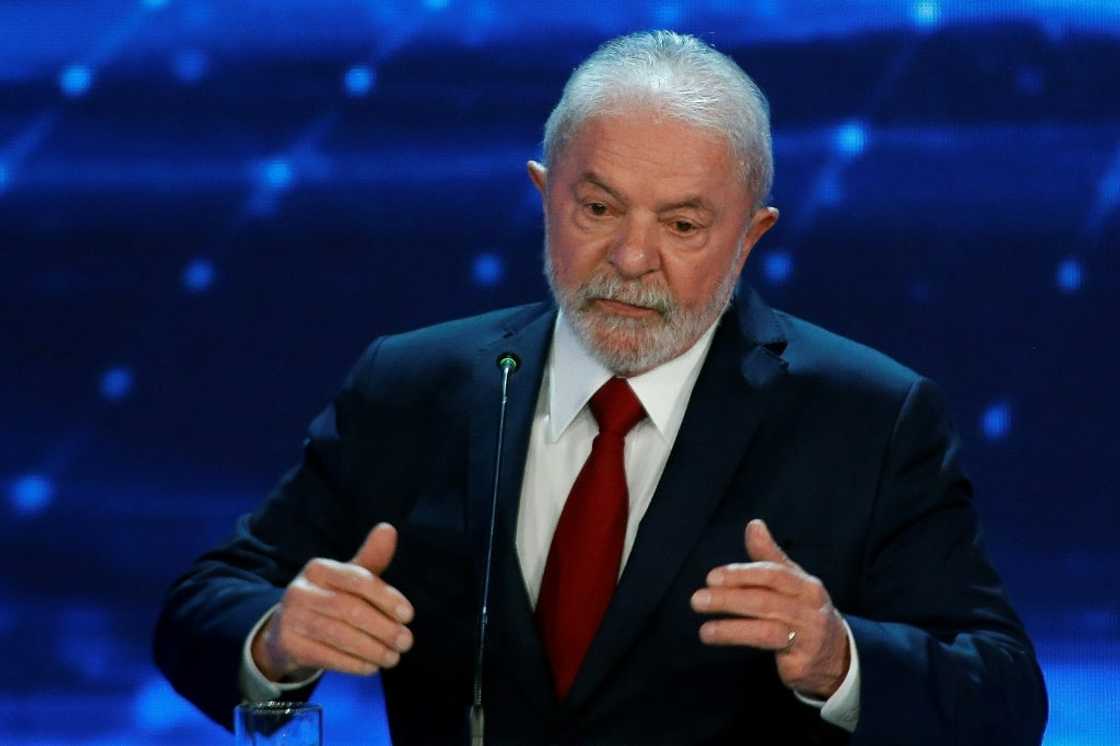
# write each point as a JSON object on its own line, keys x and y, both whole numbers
{"x": 509, "y": 361}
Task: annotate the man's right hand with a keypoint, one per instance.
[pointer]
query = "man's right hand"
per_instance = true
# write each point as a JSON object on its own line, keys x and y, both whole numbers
{"x": 338, "y": 616}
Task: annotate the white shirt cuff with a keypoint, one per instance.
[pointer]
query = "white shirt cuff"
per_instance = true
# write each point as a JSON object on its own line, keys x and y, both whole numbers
{"x": 255, "y": 686}
{"x": 842, "y": 708}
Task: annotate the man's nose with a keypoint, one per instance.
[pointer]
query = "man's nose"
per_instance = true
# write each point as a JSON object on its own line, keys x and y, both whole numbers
{"x": 636, "y": 251}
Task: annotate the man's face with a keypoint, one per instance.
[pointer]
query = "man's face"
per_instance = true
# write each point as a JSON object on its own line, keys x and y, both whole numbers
{"x": 647, "y": 226}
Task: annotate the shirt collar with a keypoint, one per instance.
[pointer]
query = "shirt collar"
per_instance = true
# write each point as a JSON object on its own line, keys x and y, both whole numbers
{"x": 574, "y": 376}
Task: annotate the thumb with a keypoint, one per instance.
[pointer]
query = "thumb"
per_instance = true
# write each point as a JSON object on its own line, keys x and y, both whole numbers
{"x": 378, "y": 549}
{"x": 761, "y": 546}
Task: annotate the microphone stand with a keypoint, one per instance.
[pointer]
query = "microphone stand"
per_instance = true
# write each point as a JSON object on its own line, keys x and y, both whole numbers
{"x": 476, "y": 717}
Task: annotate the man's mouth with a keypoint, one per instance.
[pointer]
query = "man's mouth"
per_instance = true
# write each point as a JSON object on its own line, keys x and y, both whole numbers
{"x": 622, "y": 308}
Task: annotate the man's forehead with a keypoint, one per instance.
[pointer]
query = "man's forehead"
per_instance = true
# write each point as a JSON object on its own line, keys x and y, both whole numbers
{"x": 638, "y": 140}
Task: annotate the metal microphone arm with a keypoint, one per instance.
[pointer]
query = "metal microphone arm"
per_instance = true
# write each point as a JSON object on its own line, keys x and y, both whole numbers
{"x": 507, "y": 363}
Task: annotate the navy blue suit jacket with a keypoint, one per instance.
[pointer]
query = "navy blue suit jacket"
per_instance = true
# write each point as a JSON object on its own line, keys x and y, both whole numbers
{"x": 848, "y": 456}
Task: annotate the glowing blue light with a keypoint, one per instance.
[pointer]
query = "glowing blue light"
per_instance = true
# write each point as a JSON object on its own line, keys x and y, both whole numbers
{"x": 436, "y": 4}
{"x": 666, "y": 15}
{"x": 158, "y": 708}
{"x": 926, "y": 13}
{"x": 850, "y": 138}
{"x": 359, "y": 80}
{"x": 75, "y": 80}
{"x": 190, "y": 65}
{"x": 278, "y": 174}
{"x": 1069, "y": 275}
{"x": 154, "y": 4}
{"x": 116, "y": 383}
{"x": 3, "y": 177}
{"x": 488, "y": 269}
{"x": 777, "y": 267}
{"x": 198, "y": 275}
{"x": 31, "y": 494}
{"x": 995, "y": 423}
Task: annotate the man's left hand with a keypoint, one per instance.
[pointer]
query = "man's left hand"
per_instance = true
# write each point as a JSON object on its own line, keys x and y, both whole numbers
{"x": 775, "y": 605}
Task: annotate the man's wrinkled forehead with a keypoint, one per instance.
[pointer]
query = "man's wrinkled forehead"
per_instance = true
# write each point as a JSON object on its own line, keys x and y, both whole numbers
{"x": 638, "y": 115}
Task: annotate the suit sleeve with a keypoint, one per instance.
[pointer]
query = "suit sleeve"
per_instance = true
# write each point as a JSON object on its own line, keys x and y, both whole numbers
{"x": 944, "y": 658}
{"x": 208, "y": 612}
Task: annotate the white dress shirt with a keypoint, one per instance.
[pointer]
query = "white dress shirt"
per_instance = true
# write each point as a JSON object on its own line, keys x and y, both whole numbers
{"x": 559, "y": 444}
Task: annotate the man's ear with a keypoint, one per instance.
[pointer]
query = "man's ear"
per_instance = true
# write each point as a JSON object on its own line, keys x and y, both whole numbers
{"x": 762, "y": 221}
{"x": 539, "y": 174}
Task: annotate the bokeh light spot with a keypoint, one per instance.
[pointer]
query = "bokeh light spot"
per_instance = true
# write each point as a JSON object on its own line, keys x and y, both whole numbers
{"x": 198, "y": 275}
{"x": 31, "y": 494}
{"x": 359, "y": 80}
{"x": 116, "y": 383}
{"x": 777, "y": 267}
{"x": 278, "y": 174}
{"x": 1069, "y": 275}
{"x": 850, "y": 138}
{"x": 995, "y": 423}
{"x": 488, "y": 269}
{"x": 926, "y": 13}
{"x": 75, "y": 80}
{"x": 436, "y": 4}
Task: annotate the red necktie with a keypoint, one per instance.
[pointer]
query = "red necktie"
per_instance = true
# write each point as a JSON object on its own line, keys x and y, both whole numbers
{"x": 586, "y": 552}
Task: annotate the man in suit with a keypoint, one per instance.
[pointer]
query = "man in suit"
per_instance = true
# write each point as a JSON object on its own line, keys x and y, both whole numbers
{"x": 717, "y": 523}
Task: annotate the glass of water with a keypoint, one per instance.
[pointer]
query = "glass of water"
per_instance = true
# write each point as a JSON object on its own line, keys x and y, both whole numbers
{"x": 278, "y": 724}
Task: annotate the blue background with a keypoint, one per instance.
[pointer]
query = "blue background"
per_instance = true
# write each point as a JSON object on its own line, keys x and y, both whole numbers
{"x": 208, "y": 208}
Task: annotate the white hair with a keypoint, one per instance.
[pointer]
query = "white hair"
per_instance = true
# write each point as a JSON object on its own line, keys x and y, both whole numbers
{"x": 678, "y": 76}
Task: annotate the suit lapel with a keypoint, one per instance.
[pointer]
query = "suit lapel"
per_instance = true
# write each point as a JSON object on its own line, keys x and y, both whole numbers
{"x": 726, "y": 406}
{"x": 512, "y": 629}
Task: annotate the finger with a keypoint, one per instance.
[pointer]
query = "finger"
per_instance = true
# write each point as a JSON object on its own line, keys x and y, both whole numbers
{"x": 759, "y": 603}
{"x": 348, "y": 639}
{"x": 761, "y": 546}
{"x": 377, "y": 550}
{"x": 355, "y": 580}
{"x": 756, "y": 633}
{"x": 772, "y": 575}
{"x": 311, "y": 653}
{"x": 363, "y": 618}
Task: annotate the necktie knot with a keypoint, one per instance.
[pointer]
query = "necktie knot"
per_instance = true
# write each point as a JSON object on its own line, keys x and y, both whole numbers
{"x": 616, "y": 408}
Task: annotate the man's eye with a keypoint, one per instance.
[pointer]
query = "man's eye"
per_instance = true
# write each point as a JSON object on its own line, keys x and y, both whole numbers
{"x": 598, "y": 209}
{"x": 683, "y": 226}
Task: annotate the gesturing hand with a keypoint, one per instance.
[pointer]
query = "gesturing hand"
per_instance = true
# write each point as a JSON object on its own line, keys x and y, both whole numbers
{"x": 777, "y": 606}
{"x": 339, "y": 616}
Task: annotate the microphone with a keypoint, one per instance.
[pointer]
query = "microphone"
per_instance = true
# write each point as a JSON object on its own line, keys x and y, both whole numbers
{"x": 508, "y": 363}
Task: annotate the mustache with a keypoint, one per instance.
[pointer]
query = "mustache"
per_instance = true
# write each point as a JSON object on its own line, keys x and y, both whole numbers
{"x": 606, "y": 286}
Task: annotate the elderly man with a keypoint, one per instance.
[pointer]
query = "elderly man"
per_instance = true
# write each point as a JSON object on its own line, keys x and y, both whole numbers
{"x": 717, "y": 523}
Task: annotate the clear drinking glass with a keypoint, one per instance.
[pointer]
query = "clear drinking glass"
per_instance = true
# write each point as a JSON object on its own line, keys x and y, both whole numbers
{"x": 278, "y": 724}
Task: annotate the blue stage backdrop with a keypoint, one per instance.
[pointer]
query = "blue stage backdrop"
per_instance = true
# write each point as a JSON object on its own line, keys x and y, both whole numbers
{"x": 208, "y": 208}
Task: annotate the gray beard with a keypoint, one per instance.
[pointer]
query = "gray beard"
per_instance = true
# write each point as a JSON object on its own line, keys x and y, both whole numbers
{"x": 629, "y": 346}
